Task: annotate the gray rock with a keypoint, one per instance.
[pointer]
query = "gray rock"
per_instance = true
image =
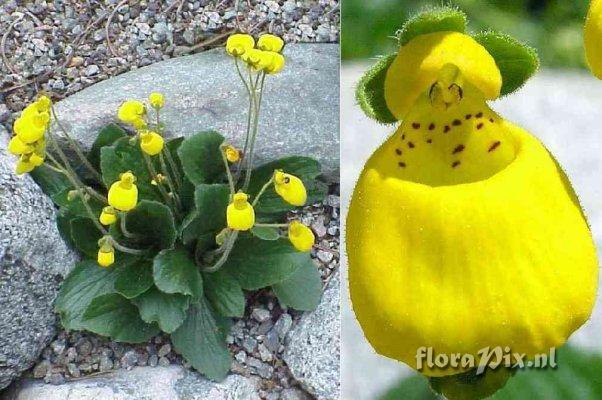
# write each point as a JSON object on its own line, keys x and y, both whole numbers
{"x": 33, "y": 260}
{"x": 300, "y": 112}
{"x": 313, "y": 346}
{"x": 160, "y": 383}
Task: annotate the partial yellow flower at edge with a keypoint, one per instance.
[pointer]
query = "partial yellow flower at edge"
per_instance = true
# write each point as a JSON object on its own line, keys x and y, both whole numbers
{"x": 108, "y": 216}
{"x": 43, "y": 103}
{"x": 132, "y": 112}
{"x": 240, "y": 215}
{"x": 270, "y": 43}
{"x": 239, "y": 43}
{"x": 591, "y": 38}
{"x": 232, "y": 153}
{"x": 151, "y": 142}
{"x": 123, "y": 194}
{"x": 156, "y": 100}
{"x": 290, "y": 188}
{"x": 300, "y": 236}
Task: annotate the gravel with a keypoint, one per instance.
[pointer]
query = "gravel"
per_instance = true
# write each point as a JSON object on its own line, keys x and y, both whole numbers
{"x": 62, "y": 46}
{"x": 257, "y": 341}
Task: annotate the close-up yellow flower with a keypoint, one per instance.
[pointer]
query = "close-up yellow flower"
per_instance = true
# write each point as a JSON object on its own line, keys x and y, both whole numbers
{"x": 301, "y": 236}
{"x": 28, "y": 162}
{"x": 151, "y": 142}
{"x": 240, "y": 214}
{"x": 123, "y": 194}
{"x": 591, "y": 37}
{"x": 276, "y": 64}
{"x": 17, "y": 147}
{"x": 132, "y": 112}
{"x": 43, "y": 103}
{"x": 156, "y": 100}
{"x": 290, "y": 188}
{"x": 256, "y": 59}
{"x": 31, "y": 125}
{"x": 232, "y": 153}
{"x": 269, "y": 42}
{"x": 106, "y": 255}
{"x": 239, "y": 43}
{"x": 108, "y": 216}
{"x": 463, "y": 232}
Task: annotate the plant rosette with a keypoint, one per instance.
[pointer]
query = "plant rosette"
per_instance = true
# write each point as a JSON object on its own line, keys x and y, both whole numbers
{"x": 174, "y": 231}
{"x": 463, "y": 232}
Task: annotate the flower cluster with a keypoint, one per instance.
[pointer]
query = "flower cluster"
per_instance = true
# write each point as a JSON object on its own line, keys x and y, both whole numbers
{"x": 134, "y": 113}
{"x": 29, "y": 142}
{"x": 265, "y": 56}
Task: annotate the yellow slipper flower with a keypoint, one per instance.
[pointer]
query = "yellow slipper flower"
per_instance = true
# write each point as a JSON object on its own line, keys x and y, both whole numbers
{"x": 31, "y": 127}
{"x": 257, "y": 59}
{"x": 232, "y": 153}
{"x": 132, "y": 112}
{"x": 123, "y": 194}
{"x": 290, "y": 188}
{"x": 591, "y": 37}
{"x": 463, "y": 233}
{"x": 106, "y": 255}
{"x": 240, "y": 215}
{"x": 239, "y": 43}
{"x": 151, "y": 142}
{"x": 17, "y": 147}
{"x": 300, "y": 236}
{"x": 108, "y": 216}
{"x": 270, "y": 43}
{"x": 276, "y": 64}
{"x": 419, "y": 62}
{"x": 156, "y": 100}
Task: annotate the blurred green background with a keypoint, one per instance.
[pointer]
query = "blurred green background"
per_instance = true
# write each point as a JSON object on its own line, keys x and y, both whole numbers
{"x": 553, "y": 27}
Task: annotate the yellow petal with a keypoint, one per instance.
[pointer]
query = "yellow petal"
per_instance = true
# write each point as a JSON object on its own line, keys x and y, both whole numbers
{"x": 108, "y": 216}
{"x": 105, "y": 258}
{"x": 123, "y": 194}
{"x": 239, "y": 43}
{"x": 501, "y": 260}
{"x": 156, "y": 100}
{"x": 270, "y": 43}
{"x": 131, "y": 112}
{"x": 276, "y": 64}
{"x": 151, "y": 143}
{"x": 240, "y": 215}
{"x": 300, "y": 236}
{"x": 591, "y": 36}
{"x": 17, "y": 147}
{"x": 24, "y": 166}
{"x": 419, "y": 62}
{"x": 232, "y": 153}
{"x": 290, "y": 188}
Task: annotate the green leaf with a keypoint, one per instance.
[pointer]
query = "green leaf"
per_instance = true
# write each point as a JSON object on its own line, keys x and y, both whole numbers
{"x": 50, "y": 181}
{"x": 257, "y": 263}
{"x": 302, "y": 290}
{"x": 201, "y": 340}
{"x": 271, "y": 205}
{"x": 174, "y": 271}
{"x": 437, "y": 19}
{"x": 115, "y": 316}
{"x": 134, "y": 279}
{"x": 123, "y": 156}
{"x": 106, "y": 137}
{"x": 201, "y": 157}
{"x": 168, "y": 310}
{"x": 224, "y": 293}
{"x": 265, "y": 233}
{"x": 153, "y": 221}
{"x": 85, "y": 282}
{"x": 85, "y": 236}
{"x": 370, "y": 91}
{"x": 415, "y": 387}
{"x": 517, "y": 61}
{"x": 210, "y": 211}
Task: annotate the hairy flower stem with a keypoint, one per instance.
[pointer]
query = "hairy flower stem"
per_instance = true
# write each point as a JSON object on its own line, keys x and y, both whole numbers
{"x": 124, "y": 229}
{"x": 166, "y": 154}
{"x": 125, "y": 249}
{"x": 228, "y": 172}
{"x": 76, "y": 147}
{"x": 258, "y": 94}
{"x": 153, "y": 173}
{"x": 248, "y": 86}
{"x": 263, "y": 189}
{"x": 170, "y": 182}
{"x": 228, "y": 246}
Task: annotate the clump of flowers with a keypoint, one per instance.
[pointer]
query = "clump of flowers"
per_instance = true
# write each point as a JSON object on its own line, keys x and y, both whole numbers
{"x": 463, "y": 233}
{"x": 174, "y": 230}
